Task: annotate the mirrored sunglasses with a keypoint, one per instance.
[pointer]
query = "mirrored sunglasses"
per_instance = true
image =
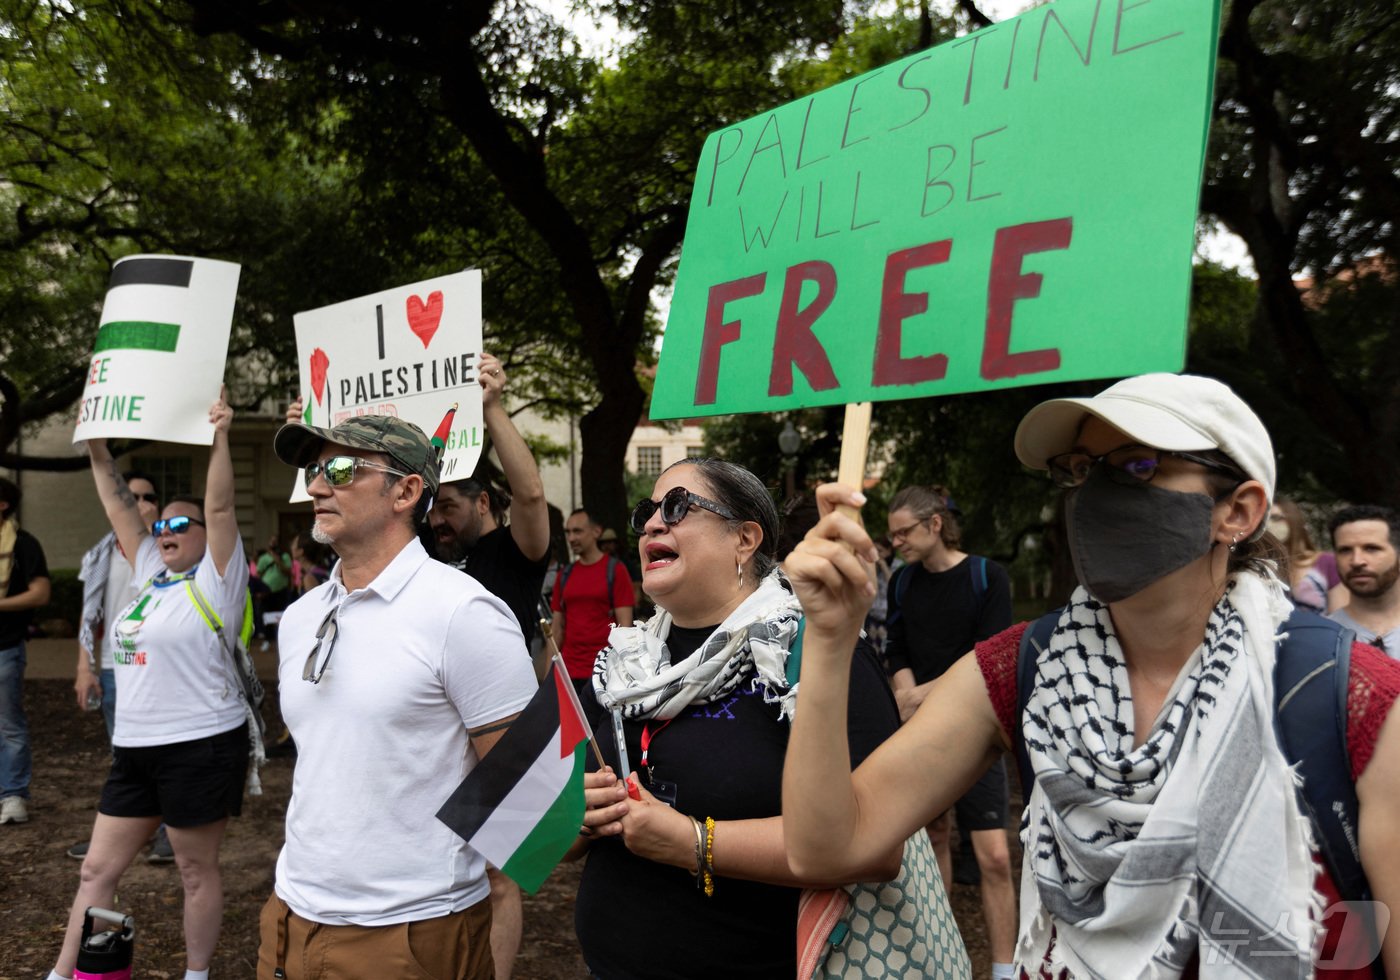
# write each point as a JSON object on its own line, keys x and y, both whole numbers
{"x": 175, "y": 525}
{"x": 674, "y": 505}
{"x": 339, "y": 471}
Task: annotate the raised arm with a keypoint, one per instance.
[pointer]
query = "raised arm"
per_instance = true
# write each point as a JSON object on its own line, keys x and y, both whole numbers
{"x": 219, "y": 517}
{"x": 837, "y": 822}
{"x": 529, "y": 513}
{"x": 117, "y": 500}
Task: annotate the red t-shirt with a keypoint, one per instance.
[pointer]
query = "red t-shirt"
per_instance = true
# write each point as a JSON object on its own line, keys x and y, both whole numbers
{"x": 1371, "y": 690}
{"x": 588, "y": 612}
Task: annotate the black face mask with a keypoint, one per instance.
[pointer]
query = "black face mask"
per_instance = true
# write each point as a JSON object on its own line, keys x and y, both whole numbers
{"x": 1123, "y": 537}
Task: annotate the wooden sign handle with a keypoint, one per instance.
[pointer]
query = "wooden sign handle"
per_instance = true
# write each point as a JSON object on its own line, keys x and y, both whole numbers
{"x": 855, "y": 441}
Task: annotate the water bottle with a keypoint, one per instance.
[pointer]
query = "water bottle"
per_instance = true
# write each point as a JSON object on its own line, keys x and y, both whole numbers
{"x": 93, "y": 700}
{"x": 105, "y": 955}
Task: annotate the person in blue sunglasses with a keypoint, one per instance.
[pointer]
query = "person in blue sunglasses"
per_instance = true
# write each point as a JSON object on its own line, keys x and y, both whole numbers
{"x": 180, "y": 745}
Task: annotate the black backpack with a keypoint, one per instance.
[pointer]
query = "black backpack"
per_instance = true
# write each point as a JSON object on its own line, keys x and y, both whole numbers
{"x": 899, "y": 585}
{"x": 612, "y": 577}
{"x": 1311, "y": 672}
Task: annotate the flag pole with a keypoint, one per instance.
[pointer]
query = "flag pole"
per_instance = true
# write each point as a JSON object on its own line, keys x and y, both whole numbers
{"x": 547, "y": 631}
{"x": 855, "y": 440}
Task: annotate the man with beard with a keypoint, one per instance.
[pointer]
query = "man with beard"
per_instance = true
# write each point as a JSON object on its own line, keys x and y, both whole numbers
{"x": 509, "y": 560}
{"x": 468, "y": 517}
{"x": 1364, "y": 538}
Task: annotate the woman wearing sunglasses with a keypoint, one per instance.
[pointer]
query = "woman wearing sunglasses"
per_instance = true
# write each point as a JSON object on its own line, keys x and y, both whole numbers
{"x": 1163, "y": 832}
{"x": 686, "y": 875}
{"x": 180, "y": 748}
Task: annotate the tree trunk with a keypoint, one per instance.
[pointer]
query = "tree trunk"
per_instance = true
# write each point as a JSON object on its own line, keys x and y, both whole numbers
{"x": 605, "y": 432}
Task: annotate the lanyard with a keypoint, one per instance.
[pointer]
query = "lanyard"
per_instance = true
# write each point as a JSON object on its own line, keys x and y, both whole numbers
{"x": 647, "y": 736}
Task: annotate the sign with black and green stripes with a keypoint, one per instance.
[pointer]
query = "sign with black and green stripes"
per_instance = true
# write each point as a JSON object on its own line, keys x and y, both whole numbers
{"x": 158, "y": 357}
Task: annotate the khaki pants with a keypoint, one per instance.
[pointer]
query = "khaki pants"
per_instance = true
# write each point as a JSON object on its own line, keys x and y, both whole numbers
{"x": 450, "y": 947}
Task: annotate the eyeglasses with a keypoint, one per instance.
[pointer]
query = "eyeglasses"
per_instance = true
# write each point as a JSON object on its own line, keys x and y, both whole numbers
{"x": 900, "y": 533}
{"x": 175, "y": 525}
{"x": 674, "y": 505}
{"x": 1128, "y": 464}
{"x": 149, "y": 498}
{"x": 329, "y": 627}
{"x": 339, "y": 471}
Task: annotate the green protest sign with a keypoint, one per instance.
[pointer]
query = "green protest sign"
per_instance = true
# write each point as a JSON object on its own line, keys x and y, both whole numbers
{"x": 1013, "y": 207}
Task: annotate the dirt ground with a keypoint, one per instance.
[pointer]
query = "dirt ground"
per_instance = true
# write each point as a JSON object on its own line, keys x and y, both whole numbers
{"x": 37, "y": 880}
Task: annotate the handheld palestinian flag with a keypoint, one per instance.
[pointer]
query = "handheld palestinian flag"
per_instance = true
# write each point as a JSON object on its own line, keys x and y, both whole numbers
{"x": 439, "y": 439}
{"x": 522, "y": 806}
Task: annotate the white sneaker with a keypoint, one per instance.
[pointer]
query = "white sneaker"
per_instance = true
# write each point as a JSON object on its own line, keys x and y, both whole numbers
{"x": 13, "y": 809}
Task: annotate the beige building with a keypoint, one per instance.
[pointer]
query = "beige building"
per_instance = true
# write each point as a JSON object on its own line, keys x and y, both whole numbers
{"x": 654, "y": 448}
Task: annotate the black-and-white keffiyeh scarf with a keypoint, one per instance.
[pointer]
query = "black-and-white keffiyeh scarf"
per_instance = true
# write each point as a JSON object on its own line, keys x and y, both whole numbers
{"x": 93, "y": 573}
{"x": 1192, "y": 842}
{"x": 635, "y": 672}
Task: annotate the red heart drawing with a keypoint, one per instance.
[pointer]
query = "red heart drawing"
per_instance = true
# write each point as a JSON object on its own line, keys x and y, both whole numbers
{"x": 423, "y": 319}
{"x": 319, "y": 363}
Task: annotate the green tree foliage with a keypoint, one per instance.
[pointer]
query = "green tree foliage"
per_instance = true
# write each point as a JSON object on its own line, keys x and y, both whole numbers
{"x": 1305, "y": 167}
{"x": 568, "y": 178}
{"x": 375, "y": 143}
{"x": 119, "y": 134}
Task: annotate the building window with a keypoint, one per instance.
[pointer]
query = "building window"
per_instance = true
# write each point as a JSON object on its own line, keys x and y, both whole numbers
{"x": 649, "y": 460}
{"x": 172, "y": 475}
{"x": 694, "y": 452}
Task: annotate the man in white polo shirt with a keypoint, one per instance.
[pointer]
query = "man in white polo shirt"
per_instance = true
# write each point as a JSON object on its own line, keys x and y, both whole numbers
{"x": 396, "y": 676}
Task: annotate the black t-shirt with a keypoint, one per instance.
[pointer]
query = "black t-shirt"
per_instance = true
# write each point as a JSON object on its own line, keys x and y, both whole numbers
{"x": 28, "y": 565}
{"x": 498, "y": 564}
{"x": 936, "y": 617}
{"x": 640, "y": 919}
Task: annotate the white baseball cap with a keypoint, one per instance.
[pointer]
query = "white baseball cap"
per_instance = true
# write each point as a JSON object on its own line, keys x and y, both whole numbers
{"x": 1182, "y": 412}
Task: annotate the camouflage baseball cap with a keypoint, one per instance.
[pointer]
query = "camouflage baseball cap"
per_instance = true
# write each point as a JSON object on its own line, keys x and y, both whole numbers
{"x": 403, "y": 442}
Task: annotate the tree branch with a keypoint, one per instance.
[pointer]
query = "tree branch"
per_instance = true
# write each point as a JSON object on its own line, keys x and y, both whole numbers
{"x": 969, "y": 7}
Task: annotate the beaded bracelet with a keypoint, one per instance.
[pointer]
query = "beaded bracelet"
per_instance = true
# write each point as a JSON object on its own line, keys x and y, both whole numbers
{"x": 699, "y": 854}
{"x": 709, "y": 857}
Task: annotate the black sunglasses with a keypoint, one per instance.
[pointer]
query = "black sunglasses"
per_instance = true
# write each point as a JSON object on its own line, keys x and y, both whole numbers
{"x": 674, "y": 505}
{"x": 175, "y": 525}
{"x": 329, "y": 626}
{"x": 149, "y": 498}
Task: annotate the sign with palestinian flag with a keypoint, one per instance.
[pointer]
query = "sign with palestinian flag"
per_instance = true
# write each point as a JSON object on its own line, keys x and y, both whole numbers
{"x": 158, "y": 357}
{"x": 410, "y": 351}
{"x": 522, "y": 806}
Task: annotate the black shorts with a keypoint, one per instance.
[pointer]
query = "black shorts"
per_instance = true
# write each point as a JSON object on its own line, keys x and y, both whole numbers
{"x": 187, "y": 784}
{"x": 985, "y": 805}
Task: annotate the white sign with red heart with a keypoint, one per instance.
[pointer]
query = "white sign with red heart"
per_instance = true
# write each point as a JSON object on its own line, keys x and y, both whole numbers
{"x": 410, "y": 351}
